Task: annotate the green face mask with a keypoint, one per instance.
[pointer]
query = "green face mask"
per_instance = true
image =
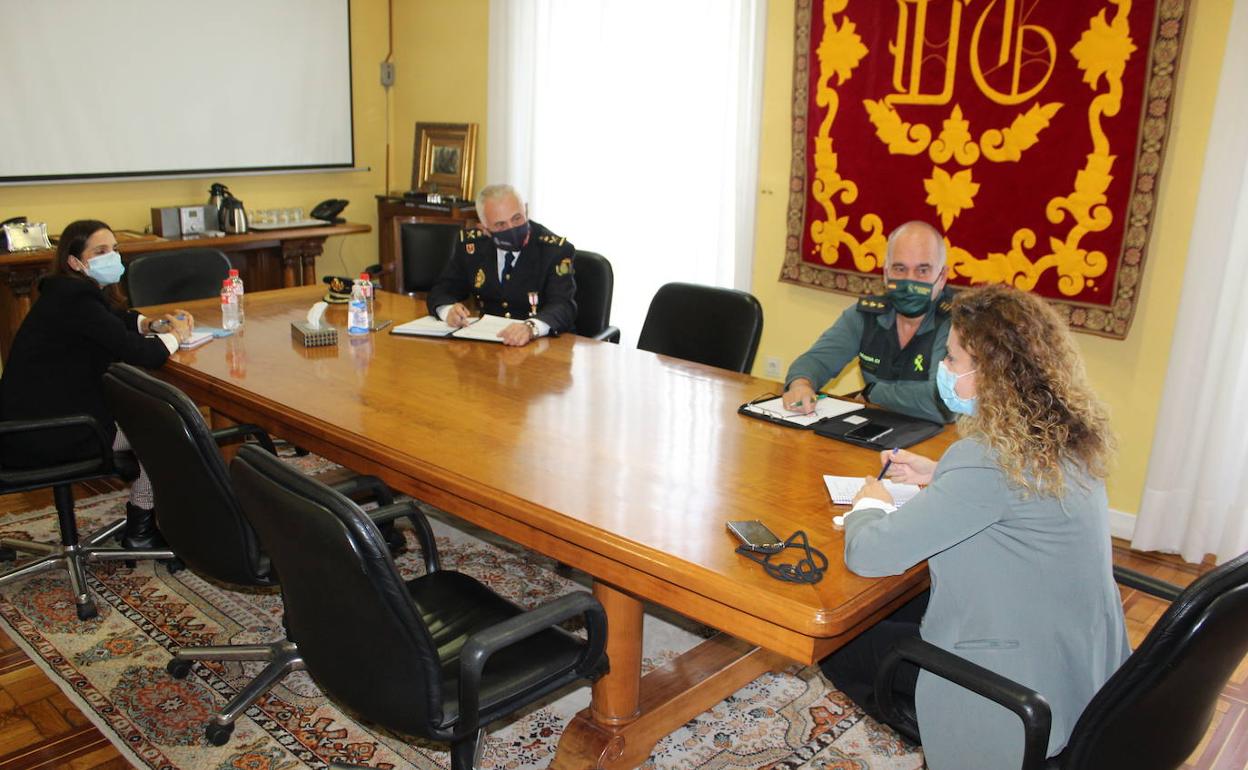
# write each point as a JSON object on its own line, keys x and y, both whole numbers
{"x": 911, "y": 298}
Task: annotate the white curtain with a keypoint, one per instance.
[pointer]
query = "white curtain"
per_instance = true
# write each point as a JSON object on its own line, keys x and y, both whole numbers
{"x": 632, "y": 127}
{"x": 1195, "y": 496}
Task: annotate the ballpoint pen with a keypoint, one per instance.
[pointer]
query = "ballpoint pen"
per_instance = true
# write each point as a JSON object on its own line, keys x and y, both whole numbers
{"x": 884, "y": 470}
{"x": 383, "y": 324}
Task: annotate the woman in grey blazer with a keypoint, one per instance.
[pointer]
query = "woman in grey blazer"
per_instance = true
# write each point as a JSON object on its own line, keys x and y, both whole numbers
{"x": 1014, "y": 526}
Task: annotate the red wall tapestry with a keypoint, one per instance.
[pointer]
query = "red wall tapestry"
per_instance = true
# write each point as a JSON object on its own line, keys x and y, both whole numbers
{"x": 1030, "y": 132}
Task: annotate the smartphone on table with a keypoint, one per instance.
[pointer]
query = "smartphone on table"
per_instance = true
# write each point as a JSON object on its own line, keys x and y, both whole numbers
{"x": 754, "y": 536}
{"x": 869, "y": 432}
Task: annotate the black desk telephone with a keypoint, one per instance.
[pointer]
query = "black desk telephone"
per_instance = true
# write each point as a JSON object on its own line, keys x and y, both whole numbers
{"x": 329, "y": 210}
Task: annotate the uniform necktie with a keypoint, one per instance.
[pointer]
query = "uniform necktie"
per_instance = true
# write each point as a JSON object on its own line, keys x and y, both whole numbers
{"x": 511, "y": 262}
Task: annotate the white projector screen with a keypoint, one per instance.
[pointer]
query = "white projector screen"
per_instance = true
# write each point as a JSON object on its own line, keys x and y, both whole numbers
{"x": 165, "y": 87}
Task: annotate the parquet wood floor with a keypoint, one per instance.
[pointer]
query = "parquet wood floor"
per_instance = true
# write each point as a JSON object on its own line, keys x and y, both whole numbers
{"x": 40, "y": 728}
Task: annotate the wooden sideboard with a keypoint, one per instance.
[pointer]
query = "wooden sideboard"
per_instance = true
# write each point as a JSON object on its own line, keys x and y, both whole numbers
{"x": 272, "y": 259}
{"x": 392, "y": 213}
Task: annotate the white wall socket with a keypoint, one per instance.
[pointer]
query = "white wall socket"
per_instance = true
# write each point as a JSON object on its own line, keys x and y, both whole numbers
{"x": 772, "y": 368}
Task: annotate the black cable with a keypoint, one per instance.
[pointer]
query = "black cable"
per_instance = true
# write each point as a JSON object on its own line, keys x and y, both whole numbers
{"x": 808, "y": 569}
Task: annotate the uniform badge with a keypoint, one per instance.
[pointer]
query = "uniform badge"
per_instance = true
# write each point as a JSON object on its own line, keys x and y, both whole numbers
{"x": 471, "y": 248}
{"x": 564, "y": 267}
{"x": 532, "y": 303}
{"x": 479, "y": 281}
{"x": 918, "y": 363}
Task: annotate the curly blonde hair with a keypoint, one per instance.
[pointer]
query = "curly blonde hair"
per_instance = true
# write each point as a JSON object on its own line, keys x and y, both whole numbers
{"x": 1034, "y": 406}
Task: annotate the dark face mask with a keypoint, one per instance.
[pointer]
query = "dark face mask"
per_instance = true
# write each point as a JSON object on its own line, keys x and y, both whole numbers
{"x": 910, "y": 298}
{"x": 513, "y": 238}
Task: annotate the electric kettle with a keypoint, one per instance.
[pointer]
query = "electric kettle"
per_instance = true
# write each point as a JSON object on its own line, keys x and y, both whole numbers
{"x": 233, "y": 216}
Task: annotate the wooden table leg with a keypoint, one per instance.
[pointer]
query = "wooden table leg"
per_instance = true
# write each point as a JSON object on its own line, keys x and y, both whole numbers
{"x": 616, "y": 695}
{"x": 629, "y": 714}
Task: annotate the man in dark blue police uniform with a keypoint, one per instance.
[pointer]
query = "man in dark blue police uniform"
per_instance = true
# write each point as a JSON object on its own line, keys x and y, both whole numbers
{"x": 512, "y": 267}
{"x": 898, "y": 339}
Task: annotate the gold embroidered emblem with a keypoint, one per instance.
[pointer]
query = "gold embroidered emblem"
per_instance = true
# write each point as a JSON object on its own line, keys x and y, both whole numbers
{"x": 564, "y": 267}
{"x": 471, "y": 248}
{"x": 479, "y": 281}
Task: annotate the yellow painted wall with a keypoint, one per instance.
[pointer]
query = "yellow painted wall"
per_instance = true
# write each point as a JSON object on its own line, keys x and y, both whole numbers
{"x": 127, "y": 205}
{"x": 441, "y": 64}
{"x": 1128, "y": 374}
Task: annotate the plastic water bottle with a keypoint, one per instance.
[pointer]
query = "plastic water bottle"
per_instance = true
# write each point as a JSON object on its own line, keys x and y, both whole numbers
{"x": 229, "y": 307}
{"x": 358, "y": 321}
{"x": 368, "y": 289}
{"x": 237, "y": 284}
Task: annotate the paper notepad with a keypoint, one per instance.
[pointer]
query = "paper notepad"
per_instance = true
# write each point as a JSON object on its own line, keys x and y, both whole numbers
{"x": 427, "y": 326}
{"x": 196, "y": 339}
{"x": 843, "y": 488}
{"x": 485, "y": 328}
{"x": 824, "y": 408}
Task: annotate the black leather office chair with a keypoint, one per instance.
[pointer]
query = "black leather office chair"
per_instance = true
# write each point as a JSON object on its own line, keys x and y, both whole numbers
{"x": 1152, "y": 712}
{"x": 175, "y": 276}
{"x": 595, "y": 285}
{"x": 438, "y": 656}
{"x": 706, "y": 324}
{"x": 425, "y": 247}
{"x": 199, "y": 515}
{"x": 73, "y": 552}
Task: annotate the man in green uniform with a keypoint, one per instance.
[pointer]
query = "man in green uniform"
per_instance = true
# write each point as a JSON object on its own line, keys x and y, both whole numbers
{"x": 898, "y": 339}
{"x": 513, "y": 268}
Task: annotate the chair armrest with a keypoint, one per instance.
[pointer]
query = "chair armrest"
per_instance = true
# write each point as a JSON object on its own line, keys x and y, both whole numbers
{"x": 609, "y": 334}
{"x": 1146, "y": 583}
{"x": 424, "y": 533}
{"x": 370, "y": 486}
{"x": 1029, "y": 705}
{"x": 56, "y": 423}
{"x": 222, "y": 435}
{"x": 481, "y": 645}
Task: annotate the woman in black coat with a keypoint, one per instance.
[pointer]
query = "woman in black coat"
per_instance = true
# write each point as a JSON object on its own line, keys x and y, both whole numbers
{"x": 76, "y": 328}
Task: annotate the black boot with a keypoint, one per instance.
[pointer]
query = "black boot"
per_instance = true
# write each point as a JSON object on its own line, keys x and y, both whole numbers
{"x": 140, "y": 532}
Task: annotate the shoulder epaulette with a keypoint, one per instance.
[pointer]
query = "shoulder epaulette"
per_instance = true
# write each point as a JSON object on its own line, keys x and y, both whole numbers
{"x": 471, "y": 235}
{"x": 872, "y": 305}
{"x": 552, "y": 239}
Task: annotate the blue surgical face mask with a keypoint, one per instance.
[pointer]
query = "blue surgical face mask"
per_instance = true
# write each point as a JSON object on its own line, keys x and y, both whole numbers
{"x": 106, "y": 269}
{"x": 946, "y": 380}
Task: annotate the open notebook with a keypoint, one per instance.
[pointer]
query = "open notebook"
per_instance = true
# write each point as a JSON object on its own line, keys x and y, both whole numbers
{"x": 843, "y": 488}
{"x": 485, "y": 328}
{"x": 825, "y": 407}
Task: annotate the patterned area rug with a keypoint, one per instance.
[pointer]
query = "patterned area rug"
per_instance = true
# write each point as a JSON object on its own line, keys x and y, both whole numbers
{"x": 113, "y": 667}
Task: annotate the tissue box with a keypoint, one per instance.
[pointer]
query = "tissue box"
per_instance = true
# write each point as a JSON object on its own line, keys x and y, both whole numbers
{"x": 313, "y": 336}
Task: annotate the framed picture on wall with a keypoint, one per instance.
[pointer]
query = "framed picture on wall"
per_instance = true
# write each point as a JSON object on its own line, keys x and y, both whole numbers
{"x": 444, "y": 158}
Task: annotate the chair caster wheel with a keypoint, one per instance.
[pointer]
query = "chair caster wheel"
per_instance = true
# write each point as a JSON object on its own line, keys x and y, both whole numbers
{"x": 87, "y": 611}
{"x": 174, "y": 565}
{"x": 8, "y": 554}
{"x": 130, "y": 563}
{"x": 218, "y": 735}
{"x": 178, "y": 668}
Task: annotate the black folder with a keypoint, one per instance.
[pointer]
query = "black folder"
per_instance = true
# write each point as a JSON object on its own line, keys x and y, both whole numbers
{"x": 905, "y": 431}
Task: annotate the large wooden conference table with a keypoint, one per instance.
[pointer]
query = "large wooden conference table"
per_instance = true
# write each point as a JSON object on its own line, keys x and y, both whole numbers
{"x": 618, "y": 462}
